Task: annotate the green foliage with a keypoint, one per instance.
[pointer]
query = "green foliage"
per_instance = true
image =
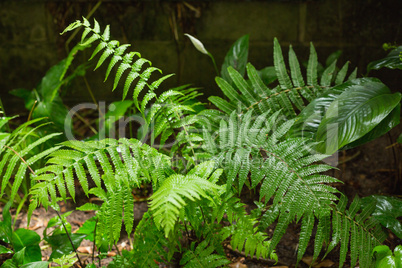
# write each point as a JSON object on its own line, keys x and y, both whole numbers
{"x": 392, "y": 61}
{"x": 388, "y": 210}
{"x": 336, "y": 115}
{"x": 66, "y": 261}
{"x": 385, "y": 259}
{"x": 262, "y": 140}
{"x": 46, "y": 99}
{"x": 17, "y": 156}
{"x": 201, "y": 256}
{"x": 24, "y": 242}
{"x": 172, "y": 194}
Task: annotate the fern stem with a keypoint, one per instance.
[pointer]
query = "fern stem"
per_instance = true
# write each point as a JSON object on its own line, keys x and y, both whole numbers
{"x": 69, "y": 238}
{"x": 22, "y": 159}
{"x": 92, "y": 95}
{"x": 93, "y": 248}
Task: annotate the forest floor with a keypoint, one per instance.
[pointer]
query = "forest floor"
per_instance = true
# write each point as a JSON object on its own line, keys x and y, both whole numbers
{"x": 374, "y": 168}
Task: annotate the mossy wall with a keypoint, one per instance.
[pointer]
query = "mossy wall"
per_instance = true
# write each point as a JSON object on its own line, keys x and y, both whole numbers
{"x": 31, "y": 44}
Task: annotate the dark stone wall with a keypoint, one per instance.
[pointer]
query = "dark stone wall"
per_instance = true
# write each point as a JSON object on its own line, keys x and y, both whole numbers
{"x": 31, "y": 44}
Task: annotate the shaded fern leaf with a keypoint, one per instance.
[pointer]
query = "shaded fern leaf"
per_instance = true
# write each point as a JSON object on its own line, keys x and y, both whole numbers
{"x": 355, "y": 231}
{"x": 173, "y": 194}
{"x": 255, "y": 151}
{"x": 202, "y": 256}
{"x": 150, "y": 244}
{"x": 291, "y": 95}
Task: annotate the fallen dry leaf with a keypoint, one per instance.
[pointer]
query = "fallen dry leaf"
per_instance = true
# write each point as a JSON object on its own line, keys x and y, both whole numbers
{"x": 85, "y": 250}
{"x": 111, "y": 254}
{"x": 237, "y": 265}
{"x": 37, "y": 225}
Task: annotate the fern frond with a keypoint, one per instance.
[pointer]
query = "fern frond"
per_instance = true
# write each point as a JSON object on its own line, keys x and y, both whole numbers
{"x": 112, "y": 49}
{"x": 292, "y": 94}
{"x": 150, "y": 244}
{"x": 173, "y": 195}
{"x": 358, "y": 231}
{"x": 115, "y": 162}
{"x": 16, "y": 158}
{"x": 202, "y": 256}
{"x": 254, "y": 151}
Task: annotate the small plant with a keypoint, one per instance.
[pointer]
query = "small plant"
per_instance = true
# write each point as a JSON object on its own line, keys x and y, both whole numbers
{"x": 384, "y": 258}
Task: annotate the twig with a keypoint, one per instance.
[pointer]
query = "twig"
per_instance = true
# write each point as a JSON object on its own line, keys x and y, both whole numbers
{"x": 69, "y": 238}
{"x": 22, "y": 159}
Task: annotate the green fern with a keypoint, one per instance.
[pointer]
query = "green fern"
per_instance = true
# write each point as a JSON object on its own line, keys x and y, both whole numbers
{"x": 174, "y": 192}
{"x": 150, "y": 244}
{"x": 202, "y": 256}
{"x": 290, "y": 95}
{"x": 120, "y": 164}
{"x": 162, "y": 113}
{"x": 17, "y": 157}
{"x": 357, "y": 231}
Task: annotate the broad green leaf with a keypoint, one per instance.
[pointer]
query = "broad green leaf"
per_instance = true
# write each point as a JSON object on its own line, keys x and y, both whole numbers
{"x": 5, "y": 225}
{"x": 383, "y": 257}
{"x": 389, "y": 122}
{"x": 28, "y": 239}
{"x": 268, "y": 75}
{"x": 4, "y": 250}
{"x": 362, "y": 106}
{"x": 391, "y": 61}
{"x": 37, "y": 264}
{"x": 88, "y": 228}
{"x": 388, "y": 210}
{"x": 61, "y": 244}
{"x": 398, "y": 256}
{"x": 236, "y": 57}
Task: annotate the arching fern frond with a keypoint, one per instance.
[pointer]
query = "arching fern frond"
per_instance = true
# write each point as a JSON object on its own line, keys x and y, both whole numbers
{"x": 124, "y": 62}
{"x": 292, "y": 93}
{"x": 355, "y": 229}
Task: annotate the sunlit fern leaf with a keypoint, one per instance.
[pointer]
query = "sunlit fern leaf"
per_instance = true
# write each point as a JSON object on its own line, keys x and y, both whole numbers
{"x": 136, "y": 162}
{"x": 113, "y": 49}
{"x": 173, "y": 194}
{"x": 246, "y": 237}
{"x": 201, "y": 256}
